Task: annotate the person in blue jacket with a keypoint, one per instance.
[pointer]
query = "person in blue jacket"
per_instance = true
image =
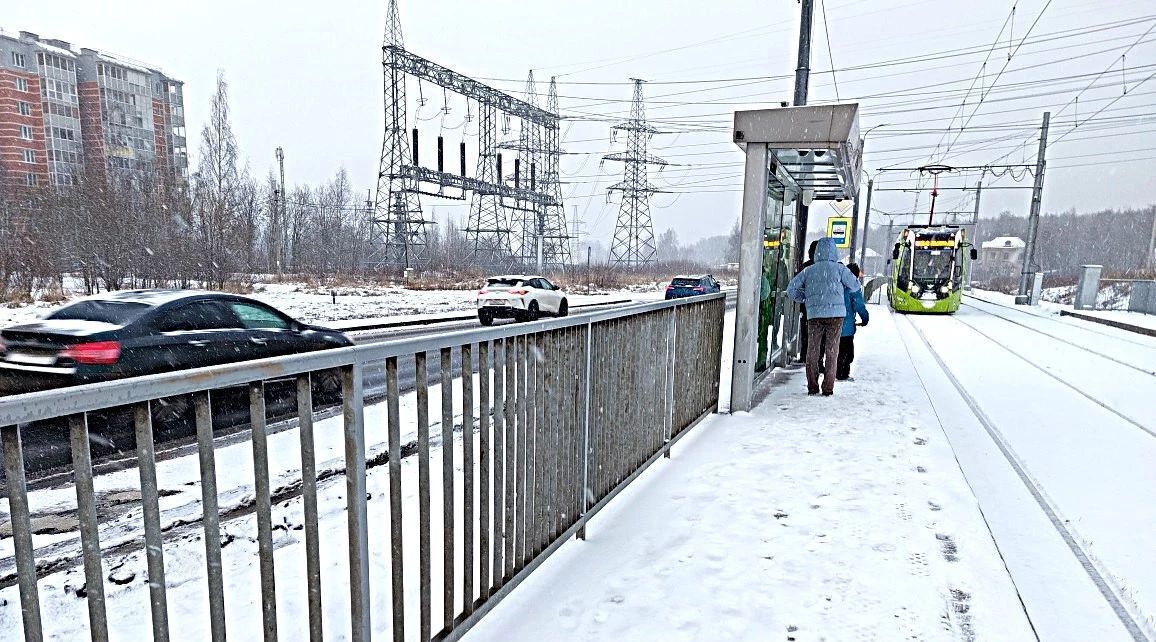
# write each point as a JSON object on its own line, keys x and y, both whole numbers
{"x": 820, "y": 287}
{"x": 855, "y": 305}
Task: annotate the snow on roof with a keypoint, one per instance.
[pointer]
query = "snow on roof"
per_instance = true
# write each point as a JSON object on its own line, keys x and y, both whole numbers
{"x": 1004, "y": 242}
{"x": 53, "y": 49}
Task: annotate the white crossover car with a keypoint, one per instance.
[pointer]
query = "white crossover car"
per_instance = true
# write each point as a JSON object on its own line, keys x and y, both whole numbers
{"x": 520, "y": 297}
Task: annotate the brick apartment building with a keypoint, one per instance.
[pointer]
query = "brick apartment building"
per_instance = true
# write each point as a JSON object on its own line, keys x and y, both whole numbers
{"x": 62, "y": 111}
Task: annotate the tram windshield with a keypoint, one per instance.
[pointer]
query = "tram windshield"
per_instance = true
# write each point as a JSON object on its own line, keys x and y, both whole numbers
{"x": 932, "y": 265}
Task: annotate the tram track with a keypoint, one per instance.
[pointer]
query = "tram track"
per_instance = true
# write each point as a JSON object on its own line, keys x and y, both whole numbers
{"x": 1127, "y": 612}
{"x": 1067, "y": 342}
{"x": 1085, "y": 328}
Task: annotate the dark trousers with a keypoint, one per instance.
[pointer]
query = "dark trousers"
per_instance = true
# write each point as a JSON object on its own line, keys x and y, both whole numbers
{"x": 823, "y": 337}
{"x": 846, "y": 356}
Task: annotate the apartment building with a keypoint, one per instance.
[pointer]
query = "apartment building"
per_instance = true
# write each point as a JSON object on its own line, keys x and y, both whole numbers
{"x": 63, "y": 111}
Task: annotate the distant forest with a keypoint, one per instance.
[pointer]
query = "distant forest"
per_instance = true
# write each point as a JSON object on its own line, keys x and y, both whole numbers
{"x": 1117, "y": 239}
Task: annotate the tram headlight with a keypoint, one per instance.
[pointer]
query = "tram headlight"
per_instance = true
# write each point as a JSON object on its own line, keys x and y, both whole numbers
{"x": 915, "y": 289}
{"x": 943, "y": 290}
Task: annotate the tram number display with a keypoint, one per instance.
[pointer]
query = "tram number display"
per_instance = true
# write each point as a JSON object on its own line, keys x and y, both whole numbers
{"x": 839, "y": 228}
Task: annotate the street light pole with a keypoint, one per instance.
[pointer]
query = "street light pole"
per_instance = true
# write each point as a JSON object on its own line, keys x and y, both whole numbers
{"x": 1026, "y": 274}
{"x": 866, "y": 225}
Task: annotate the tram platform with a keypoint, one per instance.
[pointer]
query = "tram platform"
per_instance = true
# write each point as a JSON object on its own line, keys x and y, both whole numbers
{"x": 808, "y": 518}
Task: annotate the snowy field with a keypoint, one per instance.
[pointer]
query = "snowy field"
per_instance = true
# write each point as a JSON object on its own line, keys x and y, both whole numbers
{"x": 808, "y": 519}
{"x": 317, "y": 305}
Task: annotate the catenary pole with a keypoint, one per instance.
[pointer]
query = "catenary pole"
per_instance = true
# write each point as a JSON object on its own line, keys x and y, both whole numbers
{"x": 866, "y": 226}
{"x": 802, "y": 80}
{"x": 1028, "y": 270}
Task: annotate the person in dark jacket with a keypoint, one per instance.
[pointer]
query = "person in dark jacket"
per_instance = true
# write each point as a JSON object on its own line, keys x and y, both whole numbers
{"x": 820, "y": 287}
{"x": 856, "y": 306}
{"x": 803, "y": 309}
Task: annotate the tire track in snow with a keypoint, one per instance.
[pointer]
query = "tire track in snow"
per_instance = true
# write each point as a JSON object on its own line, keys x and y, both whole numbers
{"x": 1107, "y": 590}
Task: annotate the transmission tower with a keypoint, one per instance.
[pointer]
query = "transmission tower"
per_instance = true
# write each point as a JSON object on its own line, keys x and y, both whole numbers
{"x": 633, "y": 244}
{"x": 525, "y": 218}
{"x": 398, "y": 227}
{"x": 488, "y": 230}
{"x": 554, "y": 233}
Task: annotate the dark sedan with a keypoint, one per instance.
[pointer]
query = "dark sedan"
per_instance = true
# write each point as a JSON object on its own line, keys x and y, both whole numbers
{"x": 140, "y": 332}
{"x": 694, "y": 285}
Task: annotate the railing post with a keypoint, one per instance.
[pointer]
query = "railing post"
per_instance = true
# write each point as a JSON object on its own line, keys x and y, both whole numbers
{"x": 89, "y": 537}
{"x": 353, "y": 411}
{"x": 264, "y": 509}
{"x": 671, "y": 354}
{"x": 309, "y": 501}
{"x": 150, "y": 508}
{"x": 202, "y": 408}
{"x": 22, "y": 533}
{"x": 585, "y": 490}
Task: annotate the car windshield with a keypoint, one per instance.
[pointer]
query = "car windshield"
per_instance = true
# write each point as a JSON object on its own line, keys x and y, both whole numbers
{"x": 932, "y": 264}
{"x": 685, "y": 282}
{"x": 500, "y": 283}
{"x": 115, "y": 312}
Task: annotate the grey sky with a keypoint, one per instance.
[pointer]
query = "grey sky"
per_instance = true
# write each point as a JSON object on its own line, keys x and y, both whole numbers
{"x": 306, "y": 75}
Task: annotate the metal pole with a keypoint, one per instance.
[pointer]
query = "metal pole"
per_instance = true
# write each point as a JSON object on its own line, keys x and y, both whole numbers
{"x": 279, "y": 223}
{"x": 1034, "y": 217}
{"x": 974, "y": 227}
{"x": 802, "y": 80}
{"x": 1151, "y": 262}
{"x": 866, "y": 226}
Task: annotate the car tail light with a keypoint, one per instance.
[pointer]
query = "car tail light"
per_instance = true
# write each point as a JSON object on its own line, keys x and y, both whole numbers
{"x": 97, "y": 353}
{"x": 519, "y": 291}
{"x": 483, "y": 291}
{"x": 669, "y": 287}
{"x": 2, "y": 346}
{"x": 700, "y": 289}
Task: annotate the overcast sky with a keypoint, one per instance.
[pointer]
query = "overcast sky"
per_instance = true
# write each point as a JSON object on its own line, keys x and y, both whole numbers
{"x": 306, "y": 75}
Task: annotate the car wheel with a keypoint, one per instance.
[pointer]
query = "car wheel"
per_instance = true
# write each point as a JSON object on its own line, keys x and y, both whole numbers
{"x": 532, "y": 311}
{"x": 564, "y": 308}
{"x": 485, "y": 318}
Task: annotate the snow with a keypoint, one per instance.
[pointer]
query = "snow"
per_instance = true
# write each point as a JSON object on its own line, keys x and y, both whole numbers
{"x": 813, "y": 518}
{"x": 1083, "y": 437}
{"x": 316, "y": 304}
{"x": 1001, "y": 242}
{"x": 1124, "y": 316}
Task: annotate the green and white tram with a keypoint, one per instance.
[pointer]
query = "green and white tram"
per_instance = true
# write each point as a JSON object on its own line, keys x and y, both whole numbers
{"x": 928, "y": 266}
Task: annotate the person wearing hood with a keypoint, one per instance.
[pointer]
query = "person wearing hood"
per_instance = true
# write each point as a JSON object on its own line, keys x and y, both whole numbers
{"x": 820, "y": 288}
{"x": 855, "y": 305}
{"x": 803, "y": 309}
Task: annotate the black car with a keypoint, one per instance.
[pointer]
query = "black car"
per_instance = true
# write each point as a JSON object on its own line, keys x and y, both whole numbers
{"x": 140, "y": 332}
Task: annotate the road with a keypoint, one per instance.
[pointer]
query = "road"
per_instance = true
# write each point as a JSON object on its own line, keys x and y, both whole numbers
{"x": 48, "y": 457}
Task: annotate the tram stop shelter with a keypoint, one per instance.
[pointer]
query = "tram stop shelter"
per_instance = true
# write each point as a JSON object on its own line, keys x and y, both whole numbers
{"x": 794, "y": 156}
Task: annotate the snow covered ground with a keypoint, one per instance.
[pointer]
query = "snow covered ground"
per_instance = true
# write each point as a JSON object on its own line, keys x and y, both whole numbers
{"x": 808, "y": 519}
{"x": 1063, "y": 459}
{"x": 317, "y": 305}
{"x": 1050, "y": 309}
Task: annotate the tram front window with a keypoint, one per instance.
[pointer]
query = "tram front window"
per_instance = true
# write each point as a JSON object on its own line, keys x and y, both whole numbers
{"x": 932, "y": 265}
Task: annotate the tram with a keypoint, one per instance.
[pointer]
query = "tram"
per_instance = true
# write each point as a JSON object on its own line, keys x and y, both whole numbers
{"x": 928, "y": 266}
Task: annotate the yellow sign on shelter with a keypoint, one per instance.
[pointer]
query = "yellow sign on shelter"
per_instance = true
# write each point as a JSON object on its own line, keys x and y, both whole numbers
{"x": 839, "y": 228}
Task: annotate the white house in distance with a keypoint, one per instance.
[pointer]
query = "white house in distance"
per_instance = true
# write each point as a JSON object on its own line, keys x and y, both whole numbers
{"x": 1001, "y": 256}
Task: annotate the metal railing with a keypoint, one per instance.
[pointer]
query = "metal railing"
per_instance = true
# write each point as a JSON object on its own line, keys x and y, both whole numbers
{"x": 557, "y": 417}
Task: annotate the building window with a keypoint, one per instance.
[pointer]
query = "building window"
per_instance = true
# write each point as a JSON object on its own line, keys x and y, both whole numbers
{"x": 24, "y": 108}
{"x": 30, "y": 179}
{"x": 26, "y": 132}
{"x": 18, "y": 59}
{"x": 29, "y": 156}
{"x": 21, "y": 84}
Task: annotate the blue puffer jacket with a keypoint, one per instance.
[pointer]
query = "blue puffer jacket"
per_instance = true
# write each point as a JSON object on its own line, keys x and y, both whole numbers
{"x": 855, "y": 305}
{"x": 820, "y": 287}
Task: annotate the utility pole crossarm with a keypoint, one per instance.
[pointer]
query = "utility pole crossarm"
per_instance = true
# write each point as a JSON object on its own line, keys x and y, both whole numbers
{"x": 419, "y": 67}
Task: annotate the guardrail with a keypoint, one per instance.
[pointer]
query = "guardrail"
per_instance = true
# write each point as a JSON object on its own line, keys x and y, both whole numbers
{"x": 567, "y": 413}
